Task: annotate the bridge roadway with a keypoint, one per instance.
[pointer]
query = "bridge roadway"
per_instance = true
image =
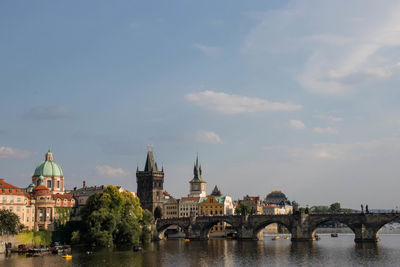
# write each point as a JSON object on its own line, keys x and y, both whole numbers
{"x": 301, "y": 226}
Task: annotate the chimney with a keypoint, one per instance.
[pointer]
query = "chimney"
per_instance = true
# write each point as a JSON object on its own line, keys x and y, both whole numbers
{"x": 84, "y": 184}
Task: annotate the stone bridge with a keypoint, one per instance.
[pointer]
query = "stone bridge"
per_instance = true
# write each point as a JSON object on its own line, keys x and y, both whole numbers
{"x": 301, "y": 226}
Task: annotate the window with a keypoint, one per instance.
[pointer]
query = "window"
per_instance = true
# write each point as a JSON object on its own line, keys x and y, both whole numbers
{"x": 58, "y": 184}
{"x": 4, "y": 199}
{"x": 18, "y": 208}
{"x": 11, "y": 200}
{"x": 11, "y": 208}
{"x": 18, "y": 199}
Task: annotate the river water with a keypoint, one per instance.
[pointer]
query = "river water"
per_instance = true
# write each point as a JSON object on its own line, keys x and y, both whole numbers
{"x": 341, "y": 251}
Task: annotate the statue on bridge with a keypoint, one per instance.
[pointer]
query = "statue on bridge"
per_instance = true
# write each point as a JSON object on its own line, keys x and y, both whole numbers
{"x": 366, "y": 209}
{"x": 362, "y": 208}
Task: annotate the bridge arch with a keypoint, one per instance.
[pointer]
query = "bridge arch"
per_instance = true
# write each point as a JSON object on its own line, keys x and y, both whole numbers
{"x": 206, "y": 227}
{"x": 314, "y": 227}
{"x": 259, "y": 227}
{"x": 379, "y": 227}
{"x": 162, "y": 228}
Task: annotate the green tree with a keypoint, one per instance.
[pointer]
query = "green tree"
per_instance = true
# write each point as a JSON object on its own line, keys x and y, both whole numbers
{"x": 112, "y": 218}
{"x": 243, "y": 209}
{"x": 319, "y": 209}
{"x": 9, "y": 222}
{"x": 295, "y": 205}
{"x": 335, "y": 207}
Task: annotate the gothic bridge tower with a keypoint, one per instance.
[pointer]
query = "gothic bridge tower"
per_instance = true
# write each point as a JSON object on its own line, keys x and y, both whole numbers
{"x": 150, "y": 183}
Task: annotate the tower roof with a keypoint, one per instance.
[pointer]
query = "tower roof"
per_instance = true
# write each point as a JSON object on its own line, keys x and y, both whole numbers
{"x": 197, "y": 172}
{"x": 216, "y": 192}
{"x": 151, "y": 165}
{"x": 48, "y": 168}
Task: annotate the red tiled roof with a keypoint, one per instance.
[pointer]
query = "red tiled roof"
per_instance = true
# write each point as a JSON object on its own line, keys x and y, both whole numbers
{"x": 41, "y": 190}
{"x": 9, "y": 189}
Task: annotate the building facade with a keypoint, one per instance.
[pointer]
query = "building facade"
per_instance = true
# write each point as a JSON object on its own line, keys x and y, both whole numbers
{"x": 42, "y": 203}
{"x": 216, "y": 205}
{"x": 254, "y": 203}
{"x": 171, "y": 207}
{"x": 188, "y": 206}
{"x": 150, "y": 183}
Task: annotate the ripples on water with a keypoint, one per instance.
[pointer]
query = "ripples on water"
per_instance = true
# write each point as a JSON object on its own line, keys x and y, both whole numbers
{"x": 341, "y": 251}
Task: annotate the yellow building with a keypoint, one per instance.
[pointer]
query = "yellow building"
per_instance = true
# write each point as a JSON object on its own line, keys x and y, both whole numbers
{"x": 216, "y": 205}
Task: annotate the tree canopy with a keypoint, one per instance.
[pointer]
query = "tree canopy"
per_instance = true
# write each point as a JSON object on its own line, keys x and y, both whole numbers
{"x": 9, "y": 222}
{"x": 113, "y": 218}
{"x": 243, "y": 209}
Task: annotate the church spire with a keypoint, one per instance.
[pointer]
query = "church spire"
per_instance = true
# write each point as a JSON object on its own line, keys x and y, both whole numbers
{"x": 151, "y": 165}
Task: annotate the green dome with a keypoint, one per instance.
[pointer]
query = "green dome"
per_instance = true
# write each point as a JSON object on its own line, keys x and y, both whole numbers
{"x": 48, "y": 167}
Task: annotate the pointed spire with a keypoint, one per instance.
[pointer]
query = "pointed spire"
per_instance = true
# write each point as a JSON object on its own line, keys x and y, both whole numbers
{"x": 216, "y": 192}
{"x": 151, "y": 165}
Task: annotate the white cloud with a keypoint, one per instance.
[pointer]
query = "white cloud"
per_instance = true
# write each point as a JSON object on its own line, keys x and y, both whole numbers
{"x": 207, "y": 50}
{"x": 296, "y": 124}
{"x": 328, "y": 118}
{"x": 340, "y": 51}
{"x": 208, "y": 137}
{"x": 327, "y": 130}
{"x": 235, "y": 104}
{"x": 106, "y": 170}
{"x": 9, "y": 152}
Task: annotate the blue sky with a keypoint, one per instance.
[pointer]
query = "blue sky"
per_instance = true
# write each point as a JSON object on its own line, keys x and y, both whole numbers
{"x": 300, "y": 96}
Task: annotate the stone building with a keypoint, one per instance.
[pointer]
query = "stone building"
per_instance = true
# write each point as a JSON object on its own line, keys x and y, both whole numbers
{"x": 197, "y": 184}
{"x": 216, "y": 205}
{"x": 276, "y": 197}
{"x": 14, "y": 199}
{"x": 254, "y": 203}
{"x": 171, "y": 206}
{"x": 188, "y": 206}
{"x": 150, "y": 184}
{"x": 41, "y": 204}
{"x": 277, "y": 209}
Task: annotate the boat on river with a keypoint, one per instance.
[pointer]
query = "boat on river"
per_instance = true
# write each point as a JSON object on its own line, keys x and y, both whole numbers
{"x": 334, "y": 235}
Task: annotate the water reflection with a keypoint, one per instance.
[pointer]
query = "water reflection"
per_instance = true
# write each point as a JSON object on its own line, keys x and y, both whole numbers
{"x": 220, "y": 252}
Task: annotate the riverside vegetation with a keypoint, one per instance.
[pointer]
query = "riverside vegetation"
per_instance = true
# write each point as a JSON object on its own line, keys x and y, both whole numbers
{"x": 113, "y": 218}
{"x": 110, "y": 218}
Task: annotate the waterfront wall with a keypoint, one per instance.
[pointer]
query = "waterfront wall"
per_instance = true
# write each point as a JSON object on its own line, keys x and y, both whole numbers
{"x": 6, "y": 239}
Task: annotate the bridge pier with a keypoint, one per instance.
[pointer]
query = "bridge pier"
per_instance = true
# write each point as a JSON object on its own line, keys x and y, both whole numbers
{"x": 301, "y": 229}
{"x": 246, "y": 233}
{"x": 365, "y": 234}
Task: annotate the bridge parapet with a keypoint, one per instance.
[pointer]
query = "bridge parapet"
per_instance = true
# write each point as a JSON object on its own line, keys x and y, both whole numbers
{"x": 301, "y": 226}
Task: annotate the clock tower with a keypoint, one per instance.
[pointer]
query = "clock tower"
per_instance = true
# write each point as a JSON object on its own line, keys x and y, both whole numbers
{"x": 197, "y": 184}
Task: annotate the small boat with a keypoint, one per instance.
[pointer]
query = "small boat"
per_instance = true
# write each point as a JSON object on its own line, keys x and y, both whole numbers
{"x": 316, "y": 237}
{"x": 186, "y": 240}
{"x": 275, "y": 237}
{"x": 334, "y": 235}
{"x": 286, "y": 237}
{"x": 67, "y": 257}
{"x": 137, "y": 248}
